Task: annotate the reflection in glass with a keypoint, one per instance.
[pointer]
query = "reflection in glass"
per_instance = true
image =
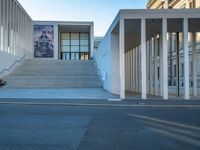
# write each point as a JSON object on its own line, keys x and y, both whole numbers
{"x": 74, "y": 42}
{"x": 65, "y": 42}
{"x": 75, "y": 36}
{"x": 65, "y": 48}
{"x": 84, "y": 36}
{"x": 65, "y": 36}
{"x": 84, "y": 42}
{"x": 74, "y": 48}
{"x": 84, "y": 49}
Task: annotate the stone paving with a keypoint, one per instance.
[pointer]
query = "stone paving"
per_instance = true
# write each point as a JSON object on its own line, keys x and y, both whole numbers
{"x": 58, "y": 93}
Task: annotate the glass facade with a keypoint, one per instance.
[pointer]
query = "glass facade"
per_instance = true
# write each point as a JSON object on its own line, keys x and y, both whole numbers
{"x": 74, "y": 46}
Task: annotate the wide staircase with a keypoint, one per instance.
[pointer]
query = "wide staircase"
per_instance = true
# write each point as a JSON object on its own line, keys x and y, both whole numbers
{"x": 38, "y": 73}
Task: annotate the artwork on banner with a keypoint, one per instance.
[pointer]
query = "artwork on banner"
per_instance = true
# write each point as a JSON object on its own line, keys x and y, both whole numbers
{"x": 43, "y": 41}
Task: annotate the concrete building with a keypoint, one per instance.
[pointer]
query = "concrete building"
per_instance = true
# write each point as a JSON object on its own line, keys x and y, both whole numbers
{"x": 70, "y": 40}
{"x": 133, "y": 56}
{"x": 22, "y": 38}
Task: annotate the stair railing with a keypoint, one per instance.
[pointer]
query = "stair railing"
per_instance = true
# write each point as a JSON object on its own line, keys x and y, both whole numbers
{"x": 98, "y": 70}
{"x": 6, "y": 71}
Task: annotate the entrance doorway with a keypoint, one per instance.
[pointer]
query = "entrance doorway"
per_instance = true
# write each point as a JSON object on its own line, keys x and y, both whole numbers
{"x": 74, "y": 46}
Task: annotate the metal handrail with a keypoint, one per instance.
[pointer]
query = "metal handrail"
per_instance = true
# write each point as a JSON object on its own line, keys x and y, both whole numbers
{"x": 15, "y": 63}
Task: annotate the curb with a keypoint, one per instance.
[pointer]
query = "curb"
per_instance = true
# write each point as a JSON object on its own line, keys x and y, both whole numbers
{"x": 99, "y": 105}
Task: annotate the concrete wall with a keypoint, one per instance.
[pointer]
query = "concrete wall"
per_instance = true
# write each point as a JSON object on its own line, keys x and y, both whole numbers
{"x": 107, "y": 59}
{"x": 103, "y": 59}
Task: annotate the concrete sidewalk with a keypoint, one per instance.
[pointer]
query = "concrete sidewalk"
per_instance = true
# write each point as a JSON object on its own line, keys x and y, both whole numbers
{"x": 57, "y": 93}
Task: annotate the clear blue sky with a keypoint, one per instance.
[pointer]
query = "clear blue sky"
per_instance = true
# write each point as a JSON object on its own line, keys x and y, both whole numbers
{"x": 102, "y": 12}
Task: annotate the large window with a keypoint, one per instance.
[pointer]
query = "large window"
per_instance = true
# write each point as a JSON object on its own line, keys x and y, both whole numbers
{"x": 75, "y": 46}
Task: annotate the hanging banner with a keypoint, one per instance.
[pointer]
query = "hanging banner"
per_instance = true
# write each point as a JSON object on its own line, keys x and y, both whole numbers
{"x": 43, "y": 41}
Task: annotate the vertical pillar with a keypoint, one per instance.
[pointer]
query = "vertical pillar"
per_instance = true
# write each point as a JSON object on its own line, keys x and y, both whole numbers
{"x": 186, "y": 59}
{"x": 170, "y": 55}
{"x": 194, "y": 61}
{"x": 151, "y": 66}
{"x": 4, "y": 24}
{"x": 122, "y": 57}
{"x": 0, "y": 22}
{"x": 6, "y": 27}
{"x": 143, "y": 59}
{"x": 148, "y": 47}
{"x": 165, "y": 58}
{"x": 139, "y": 70}
{"x": 126, "y": 71}
{"x": 160, "y": 65}
{"x": 136, "y": 69}
{"x": 91, "y": 40}
{"x": 156, "y": 67}
{"x": 9, "y": 27}
{"x": 14, "y": 28}
{"x": 132, "y": 67}
{"x": 177, "y": 65}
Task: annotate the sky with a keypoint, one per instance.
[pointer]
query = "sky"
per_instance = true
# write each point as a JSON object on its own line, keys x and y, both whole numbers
{"x": 101, "y": 12}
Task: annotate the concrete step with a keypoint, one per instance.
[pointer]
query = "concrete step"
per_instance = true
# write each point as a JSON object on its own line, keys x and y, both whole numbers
{"x": 54, "y": 74}
{"x": 53, "y": 81}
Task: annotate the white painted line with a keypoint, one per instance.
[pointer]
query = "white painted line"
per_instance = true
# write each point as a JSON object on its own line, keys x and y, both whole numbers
{"x": 115, "y": 100}
{"x": 165, "y": 122}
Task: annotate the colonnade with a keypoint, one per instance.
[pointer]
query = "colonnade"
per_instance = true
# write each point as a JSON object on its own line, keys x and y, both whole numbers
{"x": 146, "y": 66}
{"x": 16, "y": 30}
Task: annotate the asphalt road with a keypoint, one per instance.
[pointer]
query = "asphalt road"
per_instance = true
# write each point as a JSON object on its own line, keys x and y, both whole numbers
{"x": 49, "y": 127}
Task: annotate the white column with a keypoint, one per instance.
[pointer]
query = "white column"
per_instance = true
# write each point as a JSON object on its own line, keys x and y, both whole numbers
{"x": 160, "y": 64}
{"x": 122, "y": 61}
{"x": 132, "y": 67}
{"x": 186, "y": 59}
{"x": 156, "y": 67}
{"x": 139, "y": 70}
{"x": 148, "y": 47}
{"x": 151, "y": 66}
{"x": 1, "y": 21}
{"x": 91, "y": 40}
{"x": 126, "y": 73}
{"x": 177, "y": 65}
{"x": 143, "y": 59}
{"x": 136, "y": 69}
{"x": 194, "y": 64}
{"x": 165, "y": 58}
{"x": 14, "y": 28}
{"x": 7, "y": 19}
{"x": 9, "y": 27}
{"x": 4, "y": 25}
{"x": 134, "y": 72}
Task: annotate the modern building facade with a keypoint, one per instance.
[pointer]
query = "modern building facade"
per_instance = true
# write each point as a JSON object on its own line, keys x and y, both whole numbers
{"x": 63, "y": 40}
{"x": 140, "y": 52}
{"x": 175, "y": 67}
{"x": 22, "y": 38}
{"x": 133, "y": 55}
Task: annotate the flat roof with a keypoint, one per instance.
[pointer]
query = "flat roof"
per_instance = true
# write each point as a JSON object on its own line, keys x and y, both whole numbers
{"x": 153, "y": 18}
